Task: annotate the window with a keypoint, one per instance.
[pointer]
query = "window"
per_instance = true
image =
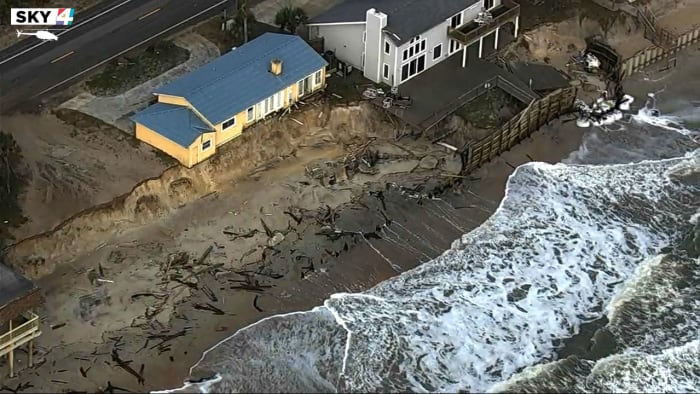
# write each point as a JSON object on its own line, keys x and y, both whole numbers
{"x": 488, "y": 4}
{"x": 317, "y": 78}
{"x": 421, "y": 63}
{"x": 229, "y": 123}
{"x": 385, "y": 71}
{"x": 454, "y": 46}
{"x": 437, "y": 51}
{"x": 405, "y": 54}
{"x": 387, "y": 47}
{"x": 206, "y": 144}
{"x": 250, "y": 114}
{"x": 457, "y": 19}
{"x": 300, "y": 88}
{"x": 404, "y": 72}
{"x": 422, "y": 45}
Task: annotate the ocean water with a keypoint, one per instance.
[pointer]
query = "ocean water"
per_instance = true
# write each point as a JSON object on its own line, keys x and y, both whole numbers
{"x": 612, "y": 231}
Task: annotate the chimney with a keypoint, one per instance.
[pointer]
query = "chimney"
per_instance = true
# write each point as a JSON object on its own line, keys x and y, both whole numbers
{"x": 276, "y": 66}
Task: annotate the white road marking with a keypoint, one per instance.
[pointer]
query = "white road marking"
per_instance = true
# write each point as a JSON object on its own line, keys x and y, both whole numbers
{"x": 66, "y": 31}
{"x": 149, "y": 14}
{"x": 130, "y": 48}
{"x": 58, "y": 59}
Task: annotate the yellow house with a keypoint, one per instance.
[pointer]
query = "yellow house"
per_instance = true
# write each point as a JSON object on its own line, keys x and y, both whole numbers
{"x": 214, "y": 103}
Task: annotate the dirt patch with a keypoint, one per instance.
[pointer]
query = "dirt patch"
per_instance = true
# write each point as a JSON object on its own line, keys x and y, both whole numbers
{"x": 126, "y": 72}
{"x": 74, "y": 165}
{"x": 490, "y": 110}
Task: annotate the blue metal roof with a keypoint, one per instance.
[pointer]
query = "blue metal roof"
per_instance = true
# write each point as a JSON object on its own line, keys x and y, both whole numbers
{"x": 241, "y": 78}
{"x": 174, "y": 122}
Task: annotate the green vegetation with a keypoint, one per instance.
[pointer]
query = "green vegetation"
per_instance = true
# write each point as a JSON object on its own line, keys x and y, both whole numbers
{"x": 290, "y": 18}
{"x": 125, "y": 73}
{"x": 11, "y": 184}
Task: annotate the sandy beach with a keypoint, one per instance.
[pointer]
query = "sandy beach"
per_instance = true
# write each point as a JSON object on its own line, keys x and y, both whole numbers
{"x": 142, "y": 285}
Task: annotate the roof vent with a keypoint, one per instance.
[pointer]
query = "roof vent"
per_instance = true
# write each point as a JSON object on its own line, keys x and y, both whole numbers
{"x": 276, "y": 66}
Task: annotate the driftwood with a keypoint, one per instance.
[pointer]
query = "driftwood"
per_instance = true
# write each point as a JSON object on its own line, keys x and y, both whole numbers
{"x": 57, "y": 326}
{"x": 126, "y": 367}
{"x": 209, "y": 293}
{"x": 204, "y": 255}
{"x": 209, "y": 307}
{"x": 165, "y": 338}
{"x": 136, "y": 296}
{"x": 297, "y": 219}
{"x": 267, "y": 229}
{"x": 110, "y": 389}
{"x": 20, "y": 387}
{"x": 84, "y": 371}
{"x": 235, "y": 235}
{"x": 255, "y": 303}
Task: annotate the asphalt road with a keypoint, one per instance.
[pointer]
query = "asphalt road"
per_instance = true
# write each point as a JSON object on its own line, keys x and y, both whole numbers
{"x": 33, "y": 69}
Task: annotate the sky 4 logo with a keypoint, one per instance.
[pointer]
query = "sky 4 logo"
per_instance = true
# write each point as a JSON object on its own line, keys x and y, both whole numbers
{"x": 42, "y": 16}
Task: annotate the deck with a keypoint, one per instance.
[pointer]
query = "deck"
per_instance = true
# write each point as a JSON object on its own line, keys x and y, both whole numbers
{"x": 18, "y": 325}
{"x": 444, "y": 88}
{"x": 508, "y": 11}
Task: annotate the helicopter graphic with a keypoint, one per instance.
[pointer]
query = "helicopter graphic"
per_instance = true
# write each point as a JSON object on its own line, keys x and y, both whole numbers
{"x": 43, "y": 35}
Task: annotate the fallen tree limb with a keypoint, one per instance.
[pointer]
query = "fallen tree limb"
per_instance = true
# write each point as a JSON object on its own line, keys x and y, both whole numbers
{"x": 255, "y": 303}
{"x": 126, "y": 367}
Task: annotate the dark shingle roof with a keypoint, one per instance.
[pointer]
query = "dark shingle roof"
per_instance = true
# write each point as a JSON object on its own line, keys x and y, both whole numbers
{"x": 13, "y": 286}
{"x": 241, "y": 78}
{"x": 406, "y": 18}
{"x": 176, "y": 123}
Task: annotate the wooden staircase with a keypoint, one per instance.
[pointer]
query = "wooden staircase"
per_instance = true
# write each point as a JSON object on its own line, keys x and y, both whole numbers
{"x": 653, "y": 31}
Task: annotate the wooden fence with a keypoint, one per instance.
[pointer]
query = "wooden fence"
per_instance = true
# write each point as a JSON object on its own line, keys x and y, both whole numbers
{"x": 529, "y": 120}
{"x": 654, "y": 53}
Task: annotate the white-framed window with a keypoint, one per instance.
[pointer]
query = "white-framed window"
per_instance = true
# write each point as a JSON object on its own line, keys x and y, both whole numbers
{"x": 277, "y": 100}
{"x": 300, "y": 88}
{"x": 387, "y": 47}
{"x": 488, "y": 4}
{"x": 454, "y": 46}
{"x": 413, "y": 67}
{"x": 229, "y": 123}
{"x": 456, "y": 20}
{"x": 437, "y": 51}
{"x": 385, "y": 71}
{"x": 416, "y": 48}
{"x": 317, "y": 78}
{"x": 250, "y": 114}
{"x": 206, "y": 144}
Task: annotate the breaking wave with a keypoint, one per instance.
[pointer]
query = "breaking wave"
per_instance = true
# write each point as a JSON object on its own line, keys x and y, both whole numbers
{"x": 569, "y": 244}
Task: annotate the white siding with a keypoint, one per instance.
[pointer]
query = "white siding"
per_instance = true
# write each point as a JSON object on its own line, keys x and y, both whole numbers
{"x": 345, "y": 41}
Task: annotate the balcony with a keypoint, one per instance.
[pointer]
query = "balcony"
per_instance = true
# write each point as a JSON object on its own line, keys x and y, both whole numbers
{"x": 506, "y": 12}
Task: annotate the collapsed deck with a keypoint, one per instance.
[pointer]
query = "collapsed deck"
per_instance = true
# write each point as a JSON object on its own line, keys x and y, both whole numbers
{"x": 18, "y": 324}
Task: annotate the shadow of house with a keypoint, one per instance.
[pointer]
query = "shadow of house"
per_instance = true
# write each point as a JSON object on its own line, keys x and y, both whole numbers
{"x": 18, "y": 324}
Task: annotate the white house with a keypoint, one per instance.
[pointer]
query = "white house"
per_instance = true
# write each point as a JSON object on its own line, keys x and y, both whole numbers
{"x": 392, "y": 41}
